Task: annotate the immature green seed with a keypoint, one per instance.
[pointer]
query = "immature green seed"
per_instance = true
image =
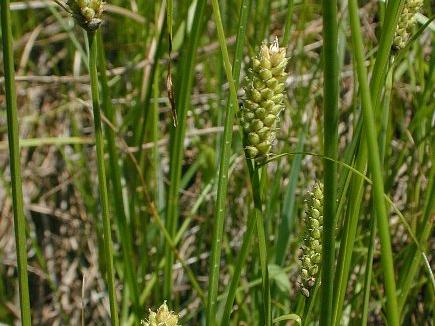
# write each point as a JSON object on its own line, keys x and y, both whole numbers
{"x": 312, "y": 245}
{"x": 87, "y": 13}
{"x": 406, "y": 22}
{"x": 163, "y": 317}
{"x": 264, "y": 98}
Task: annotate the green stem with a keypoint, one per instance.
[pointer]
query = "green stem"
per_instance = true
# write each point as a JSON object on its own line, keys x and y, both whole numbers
{"x": 177, "y": 141}
{"x": 368, "y": 271}
{"x": 348, "y": 239}
{"x": 99, "y": 144}
{"x": 375, "y": 167}
{"x": 383, "y": 54}
{"x": 115, "y": 177}
{"x": 224, "y": 158}
{"x": 243, "y": 20}
{"x": 331, "y": 115}
{"x": 240, "y": 262}
{"x": 262, "y": 243}
{"x": 413, "y": 257}
{"x": 425, "y": 227}
{"x": 288, "y": 23}
{"x": 14, "y": 161}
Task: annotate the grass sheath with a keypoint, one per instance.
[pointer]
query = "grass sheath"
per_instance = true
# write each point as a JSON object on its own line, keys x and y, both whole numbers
{"x": 102, "y": 183}
{"x": 375, "y": 167}
{"x": 14, "y": 162}
{"x": 330, "y": 139}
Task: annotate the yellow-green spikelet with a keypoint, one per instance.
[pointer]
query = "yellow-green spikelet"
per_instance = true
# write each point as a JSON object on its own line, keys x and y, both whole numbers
{"x": 162, "y": 317}
{"x": 406, "y": 22}
{"x": 87, "y": 13}
{"x": 312, "y": 244}
{"x": 265, "y": 84}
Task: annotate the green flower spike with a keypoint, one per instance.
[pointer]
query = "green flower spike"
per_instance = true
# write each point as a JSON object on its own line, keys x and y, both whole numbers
{"x": 312, "y": 244}
{"x": 163, "y": 317}
{"x": 87, "y": 13}
{"x": 264, "y": 100}
{"x": 406, "y": 22}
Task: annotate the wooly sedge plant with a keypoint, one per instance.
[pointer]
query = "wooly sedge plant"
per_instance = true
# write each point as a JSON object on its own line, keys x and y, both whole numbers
{"x": 259, "y": 121}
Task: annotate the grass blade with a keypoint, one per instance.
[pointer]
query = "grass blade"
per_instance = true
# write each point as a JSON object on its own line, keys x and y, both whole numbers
{"x": 177, "y": 148}
{"x": 223, "y": 164}
{"x": 375, "y": 167}
{"x": 331, "y": 114}
{"x": 102, "y": 183}
{"x": 14, "y": 162}
{"x": 115, "y": 178}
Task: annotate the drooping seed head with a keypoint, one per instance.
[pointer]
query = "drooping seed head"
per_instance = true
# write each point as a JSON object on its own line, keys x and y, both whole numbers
{"x": 264, "y": 87}
{"x": 312, "y": 244}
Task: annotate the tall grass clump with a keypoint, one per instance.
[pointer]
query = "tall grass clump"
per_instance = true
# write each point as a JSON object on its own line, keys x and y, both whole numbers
{"x": 213, "y": 119}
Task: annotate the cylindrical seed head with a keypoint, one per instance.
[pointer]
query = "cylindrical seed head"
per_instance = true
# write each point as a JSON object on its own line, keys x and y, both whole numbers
{"x": 312, "y": 243}
{"x": 264, "y": 87}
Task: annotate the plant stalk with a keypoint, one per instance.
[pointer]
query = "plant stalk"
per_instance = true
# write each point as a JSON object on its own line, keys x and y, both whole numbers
{"x": 14, "y": 162}
{"x": 102, "y": 184}
{"x": 223, "y": 165}
{"x": 375, "y": 167}
{"x": 331, "y": 115}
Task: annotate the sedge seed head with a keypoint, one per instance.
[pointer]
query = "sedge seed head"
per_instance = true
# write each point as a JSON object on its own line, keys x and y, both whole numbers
{"x": 87, "y": 13}
{"x": 312, "y": 243}
{"x": 162, "y": 317}
{"x": 264, "y": 87}
{"x": 406, "y": 23}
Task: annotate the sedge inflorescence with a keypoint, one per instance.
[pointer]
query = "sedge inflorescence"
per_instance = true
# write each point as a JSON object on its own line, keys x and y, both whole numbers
{"x": 406, "y": 22}
{"x": 312, "y": 242}
{"x": 264, "y": 100}
{"x": 87, "y": 13}
{"x": 162, "y": 317}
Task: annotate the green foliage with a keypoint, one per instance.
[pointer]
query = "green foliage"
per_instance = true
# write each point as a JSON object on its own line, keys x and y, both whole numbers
{"x": 182, "y": 216}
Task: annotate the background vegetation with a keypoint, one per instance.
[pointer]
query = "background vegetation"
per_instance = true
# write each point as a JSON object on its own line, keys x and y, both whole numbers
{"x": 169, "y": 204}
